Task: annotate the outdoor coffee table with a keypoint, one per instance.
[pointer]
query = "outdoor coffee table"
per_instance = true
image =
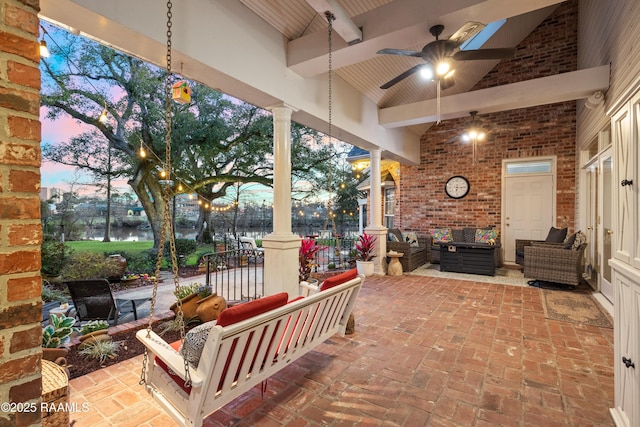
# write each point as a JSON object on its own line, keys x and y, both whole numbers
{"x": 468, "y": 258}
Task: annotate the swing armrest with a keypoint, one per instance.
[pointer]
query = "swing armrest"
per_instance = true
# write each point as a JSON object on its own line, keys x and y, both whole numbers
{"x": 174, "y": 361}
{"x": 307, "y": 288}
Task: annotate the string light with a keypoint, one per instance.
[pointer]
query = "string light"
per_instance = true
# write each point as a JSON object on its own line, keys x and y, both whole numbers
{"x": 44, "y": 50}
{"x": 103, "y": 116}
{"x": 142, "y": 152}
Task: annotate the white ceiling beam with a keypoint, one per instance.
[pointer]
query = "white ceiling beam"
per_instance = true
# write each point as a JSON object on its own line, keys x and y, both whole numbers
{"x": 546, "y": 90}
{"x": 399, "y": 24}
{"x": 343, "y": 25}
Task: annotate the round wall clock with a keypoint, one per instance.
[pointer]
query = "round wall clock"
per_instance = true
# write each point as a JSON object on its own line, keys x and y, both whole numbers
{"x": 457, "y": 187}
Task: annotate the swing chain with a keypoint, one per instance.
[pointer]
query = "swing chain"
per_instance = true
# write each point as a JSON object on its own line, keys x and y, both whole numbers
{"x": 330, "y": 18}
{"x": 167, "y": 223}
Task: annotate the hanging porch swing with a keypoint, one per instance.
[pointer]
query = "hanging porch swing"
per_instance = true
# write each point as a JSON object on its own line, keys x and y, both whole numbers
{"x": 248, "y": 342}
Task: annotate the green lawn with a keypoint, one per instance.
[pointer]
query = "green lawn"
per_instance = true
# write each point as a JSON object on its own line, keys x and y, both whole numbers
{"x": 112, "y": 247}
{"x": 130, "y": 247}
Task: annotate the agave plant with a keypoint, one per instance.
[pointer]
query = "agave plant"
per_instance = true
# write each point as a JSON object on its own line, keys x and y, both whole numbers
{"x": 364, "y": 246}
{"x": 57, "y": 333}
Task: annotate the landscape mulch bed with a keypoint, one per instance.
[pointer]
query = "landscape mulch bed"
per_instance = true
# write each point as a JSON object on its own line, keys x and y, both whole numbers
{"x": 79, "y": 365}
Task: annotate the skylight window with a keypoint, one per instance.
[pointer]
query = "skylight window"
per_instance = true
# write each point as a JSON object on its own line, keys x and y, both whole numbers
{"x": 481, "y": 38}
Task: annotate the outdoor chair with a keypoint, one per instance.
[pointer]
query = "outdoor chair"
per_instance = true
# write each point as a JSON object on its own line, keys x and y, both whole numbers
{"x": 93, "y": 300}
{"x": 254, "y": 252}
{"x": 551, "y": 262}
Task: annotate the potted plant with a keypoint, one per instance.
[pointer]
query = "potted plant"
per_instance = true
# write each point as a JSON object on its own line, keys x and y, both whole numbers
{"x": 94, "y": 330}
{"x": 307, "y": 258}
{"x": 364, "y": 248}
{"x": 55, "y": 336}
{"x": 188, "y": 296}
{"x": 210, "y": 304}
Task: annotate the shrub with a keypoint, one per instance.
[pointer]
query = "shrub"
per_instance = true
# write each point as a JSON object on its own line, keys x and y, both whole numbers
{"x": 184, "y": 248}
{"x": 141, "y": 262}
{"x": 51, "y": 293}
{"x": 100, "y": 349}
{"x": 89, "y": 265}
{"x": 54, "y": 257}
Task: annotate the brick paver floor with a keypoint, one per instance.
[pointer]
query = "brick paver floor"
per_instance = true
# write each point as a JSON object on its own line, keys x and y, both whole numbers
{"x": 426, "y": 351}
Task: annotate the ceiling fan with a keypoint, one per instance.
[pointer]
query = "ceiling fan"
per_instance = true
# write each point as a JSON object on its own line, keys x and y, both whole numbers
{"x": 439, "y": 54}
{"x": 476, "y": 130}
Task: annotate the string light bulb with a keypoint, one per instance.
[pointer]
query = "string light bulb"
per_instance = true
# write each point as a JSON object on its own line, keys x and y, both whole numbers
{"x": 44, "y": 50}
{"x": 142, "y": 152}
{"x": 103, "y": 116}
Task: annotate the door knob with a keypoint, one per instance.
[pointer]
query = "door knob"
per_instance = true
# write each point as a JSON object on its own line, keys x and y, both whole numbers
{"x": 609, "y": 231}
{"x": 589, "y": 228}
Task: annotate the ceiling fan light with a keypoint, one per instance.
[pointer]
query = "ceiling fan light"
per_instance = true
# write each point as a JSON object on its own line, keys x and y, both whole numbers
{"x": 426, "y": 72}
{"x": 473, "y": 134}
{"x": 465, "y": 137}
{"x": 442, "y": 68}
{"x": 481, "y": 136}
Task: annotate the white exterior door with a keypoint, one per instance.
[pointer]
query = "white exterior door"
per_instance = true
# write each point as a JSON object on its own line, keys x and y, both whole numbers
{"x": 529, "y": 208}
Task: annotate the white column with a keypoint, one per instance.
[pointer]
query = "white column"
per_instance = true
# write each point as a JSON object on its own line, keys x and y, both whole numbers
{"x": 375, "y": 214}
{"x": 281, "y": 246}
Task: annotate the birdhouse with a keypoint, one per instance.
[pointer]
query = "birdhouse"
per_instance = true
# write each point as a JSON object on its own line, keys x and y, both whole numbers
{"x": 181, "y": 92}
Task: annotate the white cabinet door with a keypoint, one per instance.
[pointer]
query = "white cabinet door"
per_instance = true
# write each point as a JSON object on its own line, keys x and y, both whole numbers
{"x": 632, "y": 191}
{"x": 626, "y": 362}
{"x": 623, "y": 168}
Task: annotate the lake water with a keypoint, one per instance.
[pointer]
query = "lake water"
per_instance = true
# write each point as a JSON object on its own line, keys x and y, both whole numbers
{"x": 134, "y": 235}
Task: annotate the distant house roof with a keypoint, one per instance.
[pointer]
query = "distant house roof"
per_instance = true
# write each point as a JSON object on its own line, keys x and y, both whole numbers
{"x": 357, "y": 153}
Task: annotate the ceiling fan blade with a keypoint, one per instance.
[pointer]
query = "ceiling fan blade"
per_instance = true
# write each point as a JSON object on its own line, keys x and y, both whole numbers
{"x": 402, "y": 52}
{"x": 401, "y": 77}
{"x": 466, "y": 32}
{"x": 447, "y": 83}
{"x": 453, "y": 139}
{"x": 472, "y": 55}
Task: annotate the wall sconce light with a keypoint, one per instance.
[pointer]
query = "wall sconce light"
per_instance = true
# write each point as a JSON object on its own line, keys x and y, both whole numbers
{"x": 594, "y": 100}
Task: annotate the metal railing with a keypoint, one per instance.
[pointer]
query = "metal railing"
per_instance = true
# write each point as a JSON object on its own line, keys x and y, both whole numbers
{"x": 237, "y": 274}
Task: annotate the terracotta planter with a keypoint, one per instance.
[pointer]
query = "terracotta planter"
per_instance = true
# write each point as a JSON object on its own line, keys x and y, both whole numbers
{"x": 209, "y": 308}
{"x": 101, "y": 335}
{"x": 189, "y": 305}
{"x": 55, "y": 355}
{"x": 122, "y": 267}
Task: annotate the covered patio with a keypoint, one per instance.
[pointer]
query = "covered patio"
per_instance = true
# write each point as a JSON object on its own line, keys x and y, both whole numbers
{"x": 426, "y": 351}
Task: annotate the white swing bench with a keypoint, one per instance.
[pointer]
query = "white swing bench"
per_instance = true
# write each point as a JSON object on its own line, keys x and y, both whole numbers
{"x": 241, "y": 355}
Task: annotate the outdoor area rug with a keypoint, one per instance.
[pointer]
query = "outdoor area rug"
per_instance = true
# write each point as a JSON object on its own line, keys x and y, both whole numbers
{"x": 575, "y": 306}
{"x": 504, "y": 276}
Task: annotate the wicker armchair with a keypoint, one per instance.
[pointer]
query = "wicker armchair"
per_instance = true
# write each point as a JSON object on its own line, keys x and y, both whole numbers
{"x": 552, "y": 263}
{"x": 520, "y": 244}
{"x": 413, "y": 257}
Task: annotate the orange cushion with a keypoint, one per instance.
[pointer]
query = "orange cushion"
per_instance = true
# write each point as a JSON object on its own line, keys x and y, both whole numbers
{"x": 244, "y": 311}
{"x": 174, "y": 377}
{"x": 339, "y": 279}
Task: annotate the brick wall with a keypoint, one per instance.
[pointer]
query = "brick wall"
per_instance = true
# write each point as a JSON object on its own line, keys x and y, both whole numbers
{"x": 544, "y": 130}
{"x": 20, "y": 230}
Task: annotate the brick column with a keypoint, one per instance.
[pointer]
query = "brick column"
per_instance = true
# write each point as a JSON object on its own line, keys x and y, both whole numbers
{"x": 20, "y": 229}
